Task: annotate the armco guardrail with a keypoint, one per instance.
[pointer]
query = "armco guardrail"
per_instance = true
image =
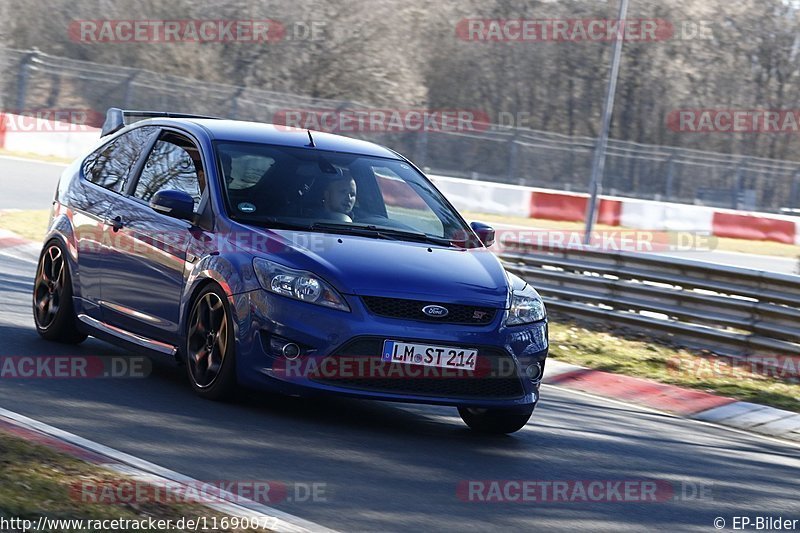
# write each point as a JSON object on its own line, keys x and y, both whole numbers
{"x": 731, "y": 311}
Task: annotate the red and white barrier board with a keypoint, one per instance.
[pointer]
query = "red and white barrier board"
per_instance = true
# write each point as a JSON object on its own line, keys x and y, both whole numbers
{"x": 491, "y": 198}
{"x": 485, "y": 197}
{"x": 753, "y": 226}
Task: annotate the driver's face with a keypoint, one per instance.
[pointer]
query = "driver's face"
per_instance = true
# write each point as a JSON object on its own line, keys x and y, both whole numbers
{"x": 340, "y": 197}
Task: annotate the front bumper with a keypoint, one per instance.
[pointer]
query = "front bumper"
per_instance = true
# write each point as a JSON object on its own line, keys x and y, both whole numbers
{"x": 341, "y": 354}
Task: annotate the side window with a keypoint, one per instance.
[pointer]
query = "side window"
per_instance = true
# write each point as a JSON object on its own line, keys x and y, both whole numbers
{"x": 110, "y": 165}
{"x": 174, "y": 164}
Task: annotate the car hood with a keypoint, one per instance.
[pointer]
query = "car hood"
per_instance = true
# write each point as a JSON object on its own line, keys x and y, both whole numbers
{"x": 367, "y": 266}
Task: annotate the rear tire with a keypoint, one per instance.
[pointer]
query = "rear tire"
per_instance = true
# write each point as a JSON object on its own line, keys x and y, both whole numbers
{"x": 495, "y": 421}
{"x": 210, "y": 346}
{"x": 53, "y": 310}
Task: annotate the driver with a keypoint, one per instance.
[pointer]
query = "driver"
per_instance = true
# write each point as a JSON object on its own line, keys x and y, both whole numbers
{"x": 339, "y": 198}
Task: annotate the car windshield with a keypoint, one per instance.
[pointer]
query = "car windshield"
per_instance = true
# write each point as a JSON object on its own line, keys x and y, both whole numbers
{"x": 333, "y": 192}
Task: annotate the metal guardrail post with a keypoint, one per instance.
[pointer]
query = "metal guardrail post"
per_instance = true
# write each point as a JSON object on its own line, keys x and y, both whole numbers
{"x": 422, "y": 148}
{"x": 22, "y": 78}
{"x": 513, "y": 154}
{"x": 128, "y": 98}
{"x": 794, "y": 195}
{"x": 670, "y": 185}
{"x": 737, "y": 191}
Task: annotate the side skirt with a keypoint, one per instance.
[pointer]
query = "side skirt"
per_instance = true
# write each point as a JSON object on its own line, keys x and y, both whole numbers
{"x": 113, "y": 333}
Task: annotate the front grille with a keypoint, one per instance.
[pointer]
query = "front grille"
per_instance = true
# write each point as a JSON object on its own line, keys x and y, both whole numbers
{"x": 495, "y": 378}
{"x": 412, "y": 310}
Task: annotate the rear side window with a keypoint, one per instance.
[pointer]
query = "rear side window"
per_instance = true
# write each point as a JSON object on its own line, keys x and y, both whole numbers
{"x": 110, "y": 165}
{"x": 174, "y": 164}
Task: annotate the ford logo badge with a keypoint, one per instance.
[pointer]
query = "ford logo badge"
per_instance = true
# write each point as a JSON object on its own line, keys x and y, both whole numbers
{"x": 436, "y": 311}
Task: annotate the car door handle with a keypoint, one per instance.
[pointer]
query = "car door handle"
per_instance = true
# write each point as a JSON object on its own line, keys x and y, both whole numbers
{"x": 115, "y": 223}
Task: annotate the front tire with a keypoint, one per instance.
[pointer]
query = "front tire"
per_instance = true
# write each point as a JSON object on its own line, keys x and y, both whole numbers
{"x": 53, "y": 310}
{"x": 495, "y": 421}
{"x": 210, "y": 346}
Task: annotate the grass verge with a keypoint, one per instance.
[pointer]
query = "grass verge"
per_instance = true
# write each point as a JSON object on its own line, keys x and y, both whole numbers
{"x": 37, "y": 481}
{"x": 29, "y": 224}
{"x": 35, "y": 157}
{"x": 644, "y": 358}
{"x": 770, "y": 248}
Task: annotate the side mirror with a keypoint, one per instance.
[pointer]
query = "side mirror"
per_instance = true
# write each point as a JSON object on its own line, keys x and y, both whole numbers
{"x": 484, "y": 232}
{"x": 176, "y": 204}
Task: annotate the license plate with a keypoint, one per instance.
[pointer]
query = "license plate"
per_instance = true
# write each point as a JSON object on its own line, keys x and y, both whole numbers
{"x": 429, "y": 355}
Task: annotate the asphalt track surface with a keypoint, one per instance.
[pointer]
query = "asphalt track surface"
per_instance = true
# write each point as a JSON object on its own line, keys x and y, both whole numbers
{"x": 395, "y": 467}
{"x": 28, "y": 184}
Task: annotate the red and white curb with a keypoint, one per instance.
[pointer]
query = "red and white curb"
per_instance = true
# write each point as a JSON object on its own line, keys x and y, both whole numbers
{"x": 146, "y": 472}
{"x": 16, "y": 247}
{"x": 9, "y": 239}
{"x": 680, "y": 401}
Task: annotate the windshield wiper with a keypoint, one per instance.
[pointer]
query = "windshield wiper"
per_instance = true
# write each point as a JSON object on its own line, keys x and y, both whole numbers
{"x": 381, "y": 232}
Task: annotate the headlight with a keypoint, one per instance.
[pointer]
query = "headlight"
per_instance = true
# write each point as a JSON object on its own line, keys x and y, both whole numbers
{"x": 526, "y": 307}
{"x": 297, "y": 284}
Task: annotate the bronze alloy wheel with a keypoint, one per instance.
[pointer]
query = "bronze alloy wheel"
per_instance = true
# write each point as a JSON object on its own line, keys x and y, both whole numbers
{"x": 49, "y": 286}
{"x": 53, "y": 311}
{"x": 210, "y": 352}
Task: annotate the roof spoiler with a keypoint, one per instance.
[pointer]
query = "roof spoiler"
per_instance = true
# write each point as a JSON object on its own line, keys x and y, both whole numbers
{"x": 115, "y": 118}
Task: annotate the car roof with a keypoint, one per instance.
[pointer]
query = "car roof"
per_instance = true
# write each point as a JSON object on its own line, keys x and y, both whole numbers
{"x": 259, "y": 132}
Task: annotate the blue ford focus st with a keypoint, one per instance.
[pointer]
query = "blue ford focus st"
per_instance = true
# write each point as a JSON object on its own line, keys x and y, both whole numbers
{"x": 291, "y": 261}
